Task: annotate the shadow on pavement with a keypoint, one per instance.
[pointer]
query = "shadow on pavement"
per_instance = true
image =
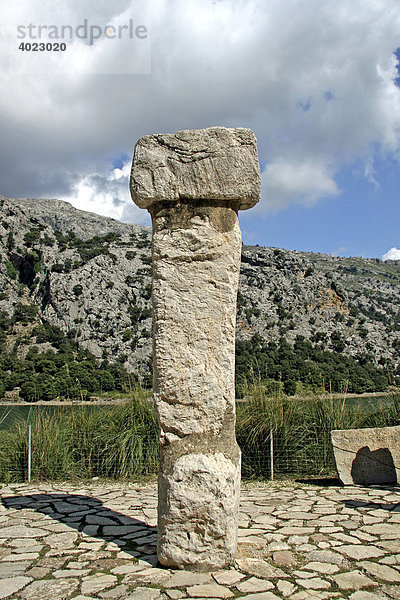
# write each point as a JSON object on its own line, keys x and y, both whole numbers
{"x": 88, "y": 515}
{"x": 393, "y": 506}
{"x": 322, "y": 481}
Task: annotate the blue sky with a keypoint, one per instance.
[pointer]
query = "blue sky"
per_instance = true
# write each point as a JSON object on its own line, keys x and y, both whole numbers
{"x": 362, "y": 220}
{"x": 316, "y": 80}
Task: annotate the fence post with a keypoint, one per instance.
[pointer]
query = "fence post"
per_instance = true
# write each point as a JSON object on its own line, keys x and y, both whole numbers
{"x": 271, "y": 443}
{"x": 29, "y": 452}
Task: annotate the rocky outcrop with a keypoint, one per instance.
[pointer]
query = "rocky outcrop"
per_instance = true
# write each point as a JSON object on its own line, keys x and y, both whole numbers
{"x": 193, "y": 184}
{"x": 368, "y": 456}
{"x": 91, "y": 276}
{"x": 347, "y": 305}
{"x": 87, "y": 274}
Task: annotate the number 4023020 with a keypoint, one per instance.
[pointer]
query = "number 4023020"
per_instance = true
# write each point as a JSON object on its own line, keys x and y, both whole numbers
{"x": 42, "y": 47}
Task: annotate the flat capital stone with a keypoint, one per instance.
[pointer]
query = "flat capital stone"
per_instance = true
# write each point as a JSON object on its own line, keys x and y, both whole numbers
{"x": 218, "y": 164}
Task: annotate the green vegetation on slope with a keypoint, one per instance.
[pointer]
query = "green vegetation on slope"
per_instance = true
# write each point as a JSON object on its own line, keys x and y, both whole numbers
{"x": 306, "y": 363}
{"x": 98, "y": 290}
{"x": 64, "y": 372}
{"x": 87, "y": 249}
{"x": 67, "y": 371}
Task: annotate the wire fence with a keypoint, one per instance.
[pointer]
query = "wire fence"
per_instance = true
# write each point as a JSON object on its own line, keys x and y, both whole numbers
{"x": 277, "y": 436}
{"x": 276, "y": 459}
{"x": 26, "y": 456}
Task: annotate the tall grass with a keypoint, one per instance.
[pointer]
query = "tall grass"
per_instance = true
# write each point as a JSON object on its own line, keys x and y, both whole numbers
{"x": 117, "y": 441}
{"x": 121, "y": 441}
{"x": 300, "y": 429}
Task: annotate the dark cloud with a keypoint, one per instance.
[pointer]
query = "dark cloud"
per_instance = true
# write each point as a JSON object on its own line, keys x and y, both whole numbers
{"x": 229, "y": 63}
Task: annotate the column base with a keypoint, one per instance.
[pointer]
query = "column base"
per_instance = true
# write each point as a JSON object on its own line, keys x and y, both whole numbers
{"x": 198, "y": 511}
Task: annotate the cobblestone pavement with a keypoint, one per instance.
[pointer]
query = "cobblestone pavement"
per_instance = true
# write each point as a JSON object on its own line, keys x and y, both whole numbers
{"x": 296, "y": 541}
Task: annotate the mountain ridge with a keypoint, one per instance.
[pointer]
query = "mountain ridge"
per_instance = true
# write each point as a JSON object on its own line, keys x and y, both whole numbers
{"x": 90, "y": 276}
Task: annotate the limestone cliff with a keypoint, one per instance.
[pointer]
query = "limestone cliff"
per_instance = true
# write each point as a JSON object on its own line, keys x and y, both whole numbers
{"x": 92, "y": 275}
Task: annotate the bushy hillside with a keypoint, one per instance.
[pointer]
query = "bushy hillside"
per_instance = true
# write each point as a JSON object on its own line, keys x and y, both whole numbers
{"x": 88, "y": 275}
{"x": 75, "y": 282}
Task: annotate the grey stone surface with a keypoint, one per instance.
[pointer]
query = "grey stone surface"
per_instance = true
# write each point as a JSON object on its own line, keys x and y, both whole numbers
{"x": 352, "y": 580}
{"x": 286, "y": 588}
{"x": 152, "y": 576}
{"x": 11, "y": 569}
{"x": 11, "y": 585}
{"x": 22, "y": 531}
{"x": 254, "y": 584}
{"x": 259, "y": 568}
{"x": 186, "y": 578}
{"x": 367, "y": 456}
{"x": 193, "y": 183}
{"x": 203, "y": 164}
{"x": 93, "y": 584}
{"x": 313, "y": 583}
{"x": 141, "y": 593}
{"x": 209, "y": 590}
{"x": 230, "y": 577}
{"x": 381, "y": 571}
{"x": 337, "y": 571}
{"x": 358, "y": 552}
{"x": 364, "y": 595}
{"x": 260, "y": 596}
{"x": 321, "y": 567}
{"x": 49, "y": 589}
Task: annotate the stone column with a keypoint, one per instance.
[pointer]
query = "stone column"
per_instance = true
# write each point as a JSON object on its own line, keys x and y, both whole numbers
{"x": 193, "y": 183}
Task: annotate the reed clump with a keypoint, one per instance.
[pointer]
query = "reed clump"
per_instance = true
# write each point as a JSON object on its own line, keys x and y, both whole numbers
{"x": 121, "y": 441}
{"x": 301, "y": 428}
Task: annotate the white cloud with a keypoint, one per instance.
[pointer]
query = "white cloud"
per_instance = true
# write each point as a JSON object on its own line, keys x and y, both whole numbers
{"x": 118, "y": 173}
{"x": 370, "y": 173}
{"x": 107, "y": 194}
{"x": 392, "y": 254}
{"x": 313, "y": 80}
{"x": 288, "y": 181}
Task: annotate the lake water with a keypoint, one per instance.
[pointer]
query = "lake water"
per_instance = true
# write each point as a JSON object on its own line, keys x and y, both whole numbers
{"x": 11, "y": 413}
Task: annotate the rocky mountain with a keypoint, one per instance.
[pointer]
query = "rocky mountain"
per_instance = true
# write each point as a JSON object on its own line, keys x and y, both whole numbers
{"x": 88, "y": 275}
{"x": 91, "y": 277}
{"x": 347, "y": 305}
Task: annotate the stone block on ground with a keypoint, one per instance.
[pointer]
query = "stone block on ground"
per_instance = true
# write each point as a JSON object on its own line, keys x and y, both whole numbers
{"x": 368, "y": 456}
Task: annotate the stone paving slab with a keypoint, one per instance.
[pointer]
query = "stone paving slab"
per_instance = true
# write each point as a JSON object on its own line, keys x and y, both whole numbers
{"x": 93, "y": 541}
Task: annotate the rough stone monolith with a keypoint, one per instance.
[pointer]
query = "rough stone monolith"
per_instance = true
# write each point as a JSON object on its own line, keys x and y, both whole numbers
{"x": 369, "y": 456}
{"x": 193, "y": 183}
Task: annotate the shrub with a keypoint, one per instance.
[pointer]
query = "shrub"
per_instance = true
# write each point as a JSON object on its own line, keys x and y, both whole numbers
{"x": 47, "y": 240}
{"x": 24, "y": 313}
{"x": 289, "y": 387}
{"x": 127, "y": 335}
{"x": 10, "y": 270}
{"x": 57, "y": 268}
{"x": 307, "y": 364}
{"x": 31, "y": 237}
{"x": 107, "y": 381}
{"x": 49, "y": 333}
{"x": 10, "y": 241}
{"x": 77, "y": 290}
